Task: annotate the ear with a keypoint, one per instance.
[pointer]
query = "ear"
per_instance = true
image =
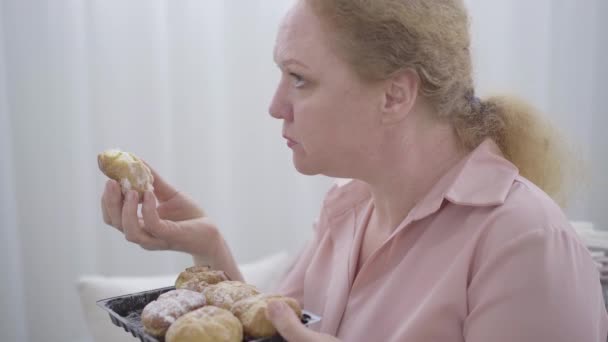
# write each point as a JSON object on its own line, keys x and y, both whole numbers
{"x": 400, "y": 94}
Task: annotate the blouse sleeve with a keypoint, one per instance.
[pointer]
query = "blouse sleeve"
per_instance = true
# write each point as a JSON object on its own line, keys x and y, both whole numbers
{"x": 540, "y": 286}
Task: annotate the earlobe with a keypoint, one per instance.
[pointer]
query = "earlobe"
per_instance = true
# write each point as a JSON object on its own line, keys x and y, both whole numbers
{"x": 400, "y": 94}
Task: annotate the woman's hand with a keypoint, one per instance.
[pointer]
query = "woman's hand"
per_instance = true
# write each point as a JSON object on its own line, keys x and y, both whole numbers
{"x": 289, "y": 326}
{"x": 177, "y": 223}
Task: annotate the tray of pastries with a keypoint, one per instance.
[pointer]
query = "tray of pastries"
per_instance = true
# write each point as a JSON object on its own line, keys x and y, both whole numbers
{"x": 204, "y": 305}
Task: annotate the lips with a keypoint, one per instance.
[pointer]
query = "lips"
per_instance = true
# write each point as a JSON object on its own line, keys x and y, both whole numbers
{"x": 290, "y": 141}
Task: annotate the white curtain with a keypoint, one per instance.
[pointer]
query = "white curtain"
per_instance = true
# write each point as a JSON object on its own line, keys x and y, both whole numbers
{"x": 186, "y": 84}
{"x": 12, "y": 301}
{"x": 552, "y": 53}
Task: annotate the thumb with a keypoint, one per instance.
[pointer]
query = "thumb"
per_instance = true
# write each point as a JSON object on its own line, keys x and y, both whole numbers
{"x": 163, "y": 190}
{"x": 287, "y": 323}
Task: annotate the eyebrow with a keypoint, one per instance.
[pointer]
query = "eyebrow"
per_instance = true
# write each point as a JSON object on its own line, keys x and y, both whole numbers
{"x": 291, "y": 61}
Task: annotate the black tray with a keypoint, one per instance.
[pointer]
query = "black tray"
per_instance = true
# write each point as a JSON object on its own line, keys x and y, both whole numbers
{"x": 125, "y": 311}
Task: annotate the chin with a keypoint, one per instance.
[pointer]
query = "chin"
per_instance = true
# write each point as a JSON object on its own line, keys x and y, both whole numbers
{"x": 308, "y": 169}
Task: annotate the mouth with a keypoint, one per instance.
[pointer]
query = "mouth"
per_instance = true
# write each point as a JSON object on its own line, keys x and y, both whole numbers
{"x": 290, "y": 142}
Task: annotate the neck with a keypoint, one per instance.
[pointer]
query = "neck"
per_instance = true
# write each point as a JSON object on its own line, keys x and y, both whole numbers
{"x": 404, "y": 173}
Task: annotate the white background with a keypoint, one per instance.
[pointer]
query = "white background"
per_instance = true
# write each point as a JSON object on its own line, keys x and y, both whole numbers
{"x": 186, "y": 84}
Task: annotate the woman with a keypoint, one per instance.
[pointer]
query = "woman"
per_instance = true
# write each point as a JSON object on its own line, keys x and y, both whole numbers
{"x": 446, "y": 232}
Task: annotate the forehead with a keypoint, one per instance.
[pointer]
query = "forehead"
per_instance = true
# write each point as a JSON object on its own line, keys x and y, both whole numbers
{"x": 300, "y": 37}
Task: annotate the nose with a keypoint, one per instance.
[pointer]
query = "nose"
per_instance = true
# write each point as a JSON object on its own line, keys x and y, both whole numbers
{"x": 281, "y": 107}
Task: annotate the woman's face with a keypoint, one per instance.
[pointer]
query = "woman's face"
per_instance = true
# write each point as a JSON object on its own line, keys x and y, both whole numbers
{"x": 329, "y": 115}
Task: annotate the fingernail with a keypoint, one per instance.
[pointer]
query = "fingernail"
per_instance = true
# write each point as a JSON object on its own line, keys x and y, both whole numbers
{"x": 132, "y": 195}
{"x": 147, "y": 196}
{"x": 276, "y": 308}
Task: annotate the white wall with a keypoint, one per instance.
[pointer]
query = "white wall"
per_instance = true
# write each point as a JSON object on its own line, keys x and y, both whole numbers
{"x": 12, "y": 308}
{"x": 599, "y": 125}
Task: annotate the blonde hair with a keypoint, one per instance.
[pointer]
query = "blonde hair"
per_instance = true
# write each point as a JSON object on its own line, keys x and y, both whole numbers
{"x": 381, "y": 37}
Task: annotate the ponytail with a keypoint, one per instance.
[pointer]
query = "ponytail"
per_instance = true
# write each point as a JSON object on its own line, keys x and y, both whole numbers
{"x": 525, "y": 138}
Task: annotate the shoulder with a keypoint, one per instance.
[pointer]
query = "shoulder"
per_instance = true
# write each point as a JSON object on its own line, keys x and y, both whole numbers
{"x": 528, "y": 219}
{"x": 528, "y": 208}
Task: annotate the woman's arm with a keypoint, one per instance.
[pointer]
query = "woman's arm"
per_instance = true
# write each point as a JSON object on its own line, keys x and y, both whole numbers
{"x": 541, "y": 286}
{"x": 220, "y": 258}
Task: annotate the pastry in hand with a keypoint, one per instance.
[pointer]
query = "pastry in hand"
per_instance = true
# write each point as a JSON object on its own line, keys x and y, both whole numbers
{"x": 158, "y": 315}
{"x": 128, "y": 170}
{"x": 197, "y": 278}
{"x": 251, "y": 312}
{"x": 207, "y": 324}
{"x": 226, "y": 293}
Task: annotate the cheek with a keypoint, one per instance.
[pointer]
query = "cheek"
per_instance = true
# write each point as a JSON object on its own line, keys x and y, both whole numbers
{"x": 332, "y": 118}
{"x": 325, "y": 134}
{"x": 315, "y": 116}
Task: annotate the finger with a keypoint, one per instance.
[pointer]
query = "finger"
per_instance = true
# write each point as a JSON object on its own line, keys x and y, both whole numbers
{"x": 130, "y": 221}
{"x": 287, "y": 323}
{"x": 112, "y": 203}
{"x": 104, "y": 212}
{"x": 132, "y": 227}
{"x": 152, "y": 222}
{"x": 183, "y": 208}
{"x": 149, "y": 242}
{"x": 163, "y": 190}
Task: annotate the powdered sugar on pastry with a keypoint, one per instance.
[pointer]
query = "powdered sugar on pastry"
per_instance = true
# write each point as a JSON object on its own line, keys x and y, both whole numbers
{"x": 125, "y": 184}
{"x": 226, "y": 293}
{"x": 158, "y": 315}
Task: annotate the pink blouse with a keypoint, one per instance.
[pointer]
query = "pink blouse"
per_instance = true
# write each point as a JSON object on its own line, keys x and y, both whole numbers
{"x": 485, "y": 256}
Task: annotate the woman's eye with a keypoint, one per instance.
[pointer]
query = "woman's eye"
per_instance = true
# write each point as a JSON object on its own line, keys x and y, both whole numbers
{"x": 298, "y": 80}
